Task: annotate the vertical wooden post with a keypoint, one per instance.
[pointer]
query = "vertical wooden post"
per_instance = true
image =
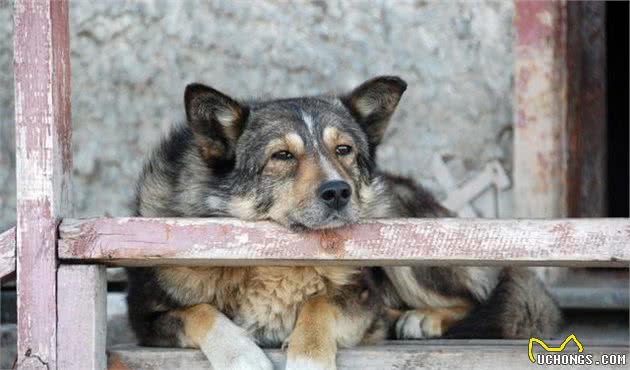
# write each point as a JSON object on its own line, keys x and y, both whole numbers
{"x": 43, "y": 164}
{"x": 82, "y": 322}
{"x": 540, "y": 109}
{"x": 560, "y": 109}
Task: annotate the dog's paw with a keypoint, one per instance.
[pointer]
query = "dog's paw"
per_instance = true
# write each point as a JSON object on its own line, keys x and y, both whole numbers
{"x": 419, "y": 324}
{"x": 228, "y": 347}
{"x": 303, "y": 363}
{"x": 255, "y": 359}
{"x": 240, "y": 355}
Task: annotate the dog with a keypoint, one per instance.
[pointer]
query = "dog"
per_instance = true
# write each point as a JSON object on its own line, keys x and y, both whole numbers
{"x": 308, "y": 164}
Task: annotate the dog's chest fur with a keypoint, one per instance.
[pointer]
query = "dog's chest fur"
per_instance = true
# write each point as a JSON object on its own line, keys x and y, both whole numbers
{"x": 262, "y": 300}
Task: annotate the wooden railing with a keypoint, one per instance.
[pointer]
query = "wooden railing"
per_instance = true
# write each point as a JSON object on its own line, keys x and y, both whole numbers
{"x": 141, "y": 241}
{"x": 61, "y": 280}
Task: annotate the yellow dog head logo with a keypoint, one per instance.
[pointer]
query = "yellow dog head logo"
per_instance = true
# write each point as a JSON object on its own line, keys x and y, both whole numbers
{"x": 552, "y": 349}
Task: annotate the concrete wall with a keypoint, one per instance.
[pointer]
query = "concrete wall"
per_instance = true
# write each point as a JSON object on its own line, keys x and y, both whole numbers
{"x": 7, "y": 140}
{"x": 131, "y": 61}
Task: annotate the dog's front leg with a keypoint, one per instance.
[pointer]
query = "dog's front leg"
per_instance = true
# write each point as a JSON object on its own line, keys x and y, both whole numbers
{"x": 431, "y": 322}
{"x": 313, "y": 344}
{"x": 226, "y": 345}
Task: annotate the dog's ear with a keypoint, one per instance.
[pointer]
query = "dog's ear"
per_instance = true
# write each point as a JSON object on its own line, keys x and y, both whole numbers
{"x": 216, "y": 120}
{"x": 373, "y": 103}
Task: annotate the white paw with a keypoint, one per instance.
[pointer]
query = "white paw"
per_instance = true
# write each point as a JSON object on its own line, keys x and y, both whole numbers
{"x": 303, "y": 363}
{"x": 249, "y": 358}
{"x": 240, "y": 356}
{"x": 229, "y": 348}
{"x": 416, "y": 324}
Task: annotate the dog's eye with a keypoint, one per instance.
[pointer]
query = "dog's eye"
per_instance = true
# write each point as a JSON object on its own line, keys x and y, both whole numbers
{"x": 342, "y": 150}
{"x": 282, "y": 155}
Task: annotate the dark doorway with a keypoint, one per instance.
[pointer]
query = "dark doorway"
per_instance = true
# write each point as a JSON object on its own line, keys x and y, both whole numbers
{"x": 617, "y": 96}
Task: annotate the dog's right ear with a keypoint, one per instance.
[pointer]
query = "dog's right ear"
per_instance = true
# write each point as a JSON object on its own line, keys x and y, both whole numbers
{"x": 372, "y": 105}
{"x": 216, "y": 120}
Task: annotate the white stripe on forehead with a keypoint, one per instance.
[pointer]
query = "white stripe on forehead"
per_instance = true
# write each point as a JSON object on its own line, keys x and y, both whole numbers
{"x": 308, "y": 121}
{"x": 329, "y": 170}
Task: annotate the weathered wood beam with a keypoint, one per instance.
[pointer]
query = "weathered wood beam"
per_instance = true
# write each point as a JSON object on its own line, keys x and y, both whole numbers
{"x": 7, "y": 252}
{"x": 560, "y": 109}
{"x": 154, "y": 241}
{"x": 540, "y": 109}
{"x": 82, "y": 320}
{"x": 430, "y": 354}
{"x": 43, "y": 167}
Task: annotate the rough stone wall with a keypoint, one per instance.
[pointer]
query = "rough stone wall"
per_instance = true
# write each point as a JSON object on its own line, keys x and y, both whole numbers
{"x": 131, "y": 61}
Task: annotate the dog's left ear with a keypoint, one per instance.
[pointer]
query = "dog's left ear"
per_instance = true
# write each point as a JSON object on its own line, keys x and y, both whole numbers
{"x": 373, "y": 103}
{"x": 216, "y": 120}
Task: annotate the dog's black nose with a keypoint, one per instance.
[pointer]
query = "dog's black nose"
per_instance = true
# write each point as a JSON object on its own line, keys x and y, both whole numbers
{"x": 335, "y": 194}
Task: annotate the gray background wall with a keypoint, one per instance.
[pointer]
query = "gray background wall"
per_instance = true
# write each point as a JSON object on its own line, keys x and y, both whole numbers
{"x": 131, "y": 61}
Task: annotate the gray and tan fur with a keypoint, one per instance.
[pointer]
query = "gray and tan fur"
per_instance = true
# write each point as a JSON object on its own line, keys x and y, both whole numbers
{"x": 306, "y": 163}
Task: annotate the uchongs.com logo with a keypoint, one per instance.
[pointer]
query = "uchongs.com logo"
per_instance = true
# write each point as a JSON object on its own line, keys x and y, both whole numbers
{"x": 558, "y": 355}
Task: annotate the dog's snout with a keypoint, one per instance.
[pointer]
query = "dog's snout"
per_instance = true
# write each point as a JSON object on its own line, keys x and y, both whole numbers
{"x": 335, "y": 194}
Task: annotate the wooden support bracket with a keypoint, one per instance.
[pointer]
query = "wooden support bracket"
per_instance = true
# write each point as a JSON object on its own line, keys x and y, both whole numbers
{"x": 7, "y": 252}
{"x": 458, "y": 199}
{"x": 82, "y": 320}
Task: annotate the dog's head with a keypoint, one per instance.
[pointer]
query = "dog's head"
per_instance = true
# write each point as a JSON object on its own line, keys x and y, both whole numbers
{"x": 305, "y": 163}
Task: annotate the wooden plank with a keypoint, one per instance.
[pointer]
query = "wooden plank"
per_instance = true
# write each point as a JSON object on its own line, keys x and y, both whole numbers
{"x": 540, "y": 109}
{"x": 43, "y": 166}
{"x": 594, "y": 329}
{"x": 82, "y": 320}
{"x": 217, "y": 241}
{"x": 7, "y": 252}
{"x": 492, "y": 175}
{"x": 430, "y": 354}
{"x": 594, "y": 289}
{"x": 603, "y": 298}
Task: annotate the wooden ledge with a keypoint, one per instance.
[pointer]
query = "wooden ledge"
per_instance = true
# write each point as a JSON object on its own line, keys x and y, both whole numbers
{"x": 7, "y": 252}
{"x": 218, "y": 241}
{"x": 430, "y": 354}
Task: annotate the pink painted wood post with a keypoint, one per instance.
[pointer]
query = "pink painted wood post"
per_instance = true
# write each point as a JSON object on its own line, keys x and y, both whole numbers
{"x": 540, "y": 109}
{"x": 82, "y": 321}
{"x": 44, "y": 162}
{"x": 7, "y": 252}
